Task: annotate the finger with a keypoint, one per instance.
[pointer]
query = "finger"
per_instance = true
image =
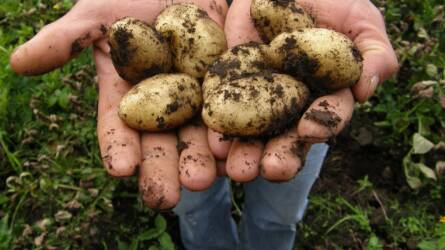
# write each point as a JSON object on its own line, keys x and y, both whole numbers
{"x": 158, "y": 179}
{"x": 59, "y": 41}
{"x": 367, "y": 29}
{"x": 379, "y": 59}
{"x": 219, "y": 145}
{"x": 239, "y": 27}
{"x": 326, "y": 116}
{"x": 379, "y": 63}
{"x": 282, "y": 157}
{"x": 217, "y": 10}
{"x": 119, "y": 144}
{"x": 243, "y": 161}
{"x": 197, "y": 167}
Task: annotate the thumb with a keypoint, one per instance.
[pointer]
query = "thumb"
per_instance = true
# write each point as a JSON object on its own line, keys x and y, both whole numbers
{"x": 367, "y": 28}
{"x": 379, "y": 63}
{"x": 59, "y": 41}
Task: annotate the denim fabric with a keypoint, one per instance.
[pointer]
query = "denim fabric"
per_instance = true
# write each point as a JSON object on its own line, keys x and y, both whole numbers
{"x": 270, "y": 213}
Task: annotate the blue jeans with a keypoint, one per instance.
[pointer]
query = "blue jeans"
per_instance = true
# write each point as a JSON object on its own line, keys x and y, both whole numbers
{"x": 270, "y": 214}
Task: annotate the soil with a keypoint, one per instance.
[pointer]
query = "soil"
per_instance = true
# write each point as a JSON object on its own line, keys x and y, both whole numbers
{"x": 324, "y": 117}
{"x": 172, "y": 107}
{"x": 356, "y": 53}
{"x": 285, "y": 120}
{"x": 160, "y": 122}
{"x": 79, "y": 44}
{"x": 103, "y": 29}
{"x": 181, "y": 146}
{"x": 222, "y": 67}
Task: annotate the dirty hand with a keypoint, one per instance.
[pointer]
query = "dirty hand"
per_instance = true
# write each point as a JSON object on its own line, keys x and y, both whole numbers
{"x": 124, "y": 149}
{"x": 281, "y": 157}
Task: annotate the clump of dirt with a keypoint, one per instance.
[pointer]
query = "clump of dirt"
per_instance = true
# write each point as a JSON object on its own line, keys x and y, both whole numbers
{"x": 103, "y": 29}
{"x": 154, "y": 70}
{"x": 283, "y": 3}
{"x": 79, "y": 44}
{"x": 356, "y": 53}
{"x": 283, "y": 121}
{"x": 297, "y": 148}
{"x": 172, "y": 107}
{"x": 327, "y": 118}
{"x": 160, "y": 122}
{"x": 222, "y": 68}
{"x": 181, "y": 146}
{"x": 123, "y": 52}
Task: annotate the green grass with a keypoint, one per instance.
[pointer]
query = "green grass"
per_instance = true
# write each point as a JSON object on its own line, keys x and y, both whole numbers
{"x": 54, "y": 192}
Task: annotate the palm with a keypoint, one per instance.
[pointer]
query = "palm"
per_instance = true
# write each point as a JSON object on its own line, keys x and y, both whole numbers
{"x": 280, "y": 158}
{"x": 122, "y": 148}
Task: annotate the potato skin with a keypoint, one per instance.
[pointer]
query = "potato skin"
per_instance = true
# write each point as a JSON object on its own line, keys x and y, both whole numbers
{"x": 162, "y": 102}
{"x": 137, "y": 50}
{"x": 273, "y": 17}
{"x": 322, "y": 58}
{"x": 260, "y": 104}
{"x": 195, "y": 39}
{"x": 240, "y": 61}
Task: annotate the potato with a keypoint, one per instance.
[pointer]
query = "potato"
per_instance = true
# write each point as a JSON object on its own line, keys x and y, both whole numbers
{"x": 260, "y": 104}
{"x": 273, "y": 17}
{"x": 322, "y": 58}
{"x": 161, "y": 102}
{"x": 238, "y": 62}
{"x": 137, "y": 50}
{"x": 195, "y": 39}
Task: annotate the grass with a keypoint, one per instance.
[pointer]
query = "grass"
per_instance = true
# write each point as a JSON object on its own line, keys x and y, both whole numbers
{"x": 54, "y": 193}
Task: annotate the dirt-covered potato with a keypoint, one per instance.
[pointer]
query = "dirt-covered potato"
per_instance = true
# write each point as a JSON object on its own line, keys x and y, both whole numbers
{"x": 161, "y": 102}
{"x": 273, "y": 17}
{"x": 137, "y": 50}
{"x": 260, "y": 104}
{"x": 195, "y": 39}
{"x": 322, "y": 58}
{"x": 240, "y": 61}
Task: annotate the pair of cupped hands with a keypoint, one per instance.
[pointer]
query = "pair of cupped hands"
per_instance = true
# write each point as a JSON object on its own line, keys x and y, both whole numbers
{"x": 163, "y": 169}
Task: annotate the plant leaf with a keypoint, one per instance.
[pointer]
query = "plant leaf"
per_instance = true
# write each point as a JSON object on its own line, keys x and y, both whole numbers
{"x": 160, "y": 223}
{"x": 431, "y": 70}
{"x": 427, "y": 245}
{"x": 374, "y": 243}
{"x": 441, "y": 243}
{"x": 421, "y": 145}
{"x": 166, "y": 242}
{"x": 150, "y": 234}
{"x": 428, "y": 172}
{"x": 409, "y": 170}
{"x": 413, "y": 182}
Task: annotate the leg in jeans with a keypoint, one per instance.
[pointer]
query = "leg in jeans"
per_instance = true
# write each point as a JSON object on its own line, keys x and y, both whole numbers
{"x": 272, "y": 210}
{"x": 205, "y": 218}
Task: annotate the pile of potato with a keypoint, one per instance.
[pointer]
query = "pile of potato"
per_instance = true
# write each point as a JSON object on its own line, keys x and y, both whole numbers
{"x": 258, "y": 89}
{"x": 184, "y": 39}
{"x": 250, "y": 90}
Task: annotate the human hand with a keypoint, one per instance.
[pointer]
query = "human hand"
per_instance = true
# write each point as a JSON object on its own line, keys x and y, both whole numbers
{"x": 281, "y": 157}
{"x": 162, "y": 169}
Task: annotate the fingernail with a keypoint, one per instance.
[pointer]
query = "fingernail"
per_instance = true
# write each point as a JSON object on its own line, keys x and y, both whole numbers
{"x": 372, "y": 86}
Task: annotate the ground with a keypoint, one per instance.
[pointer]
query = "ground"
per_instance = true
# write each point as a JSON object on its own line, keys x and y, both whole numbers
{"x": 378, "y": 188}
